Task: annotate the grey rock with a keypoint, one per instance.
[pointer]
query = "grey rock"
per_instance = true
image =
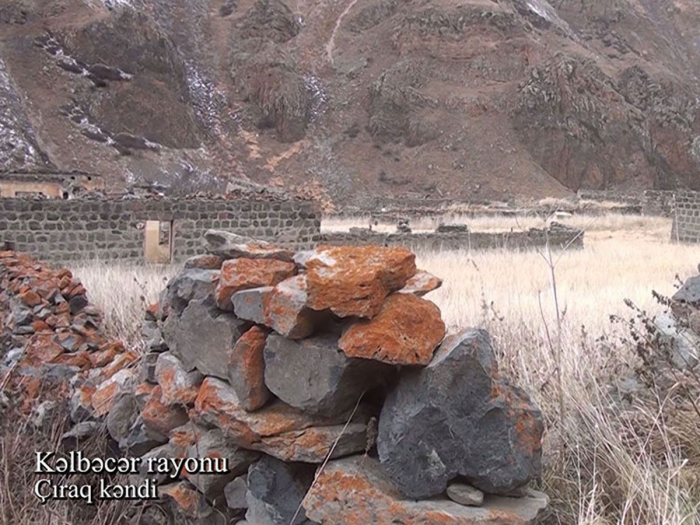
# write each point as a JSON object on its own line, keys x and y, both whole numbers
{"x": 140, "y": 439}
{"x": 190, "y": 285}
{"x": 250, "y": 304}
{"x": 229, "y": 245}
{"x": 235, "y": 492}
{"x": 683, "y": 343}
{"x": 690, "y": 291}
{"x": 148, "y": 367}
{"x": 203, "y": 337}
{"x": 44, "y": 414}
{"x": 465, "y": 494}
{"x": 77, "y": 304}
{"x": 456, "y": 418}
{"x": 205, "y": 262}
{"x": 214, "y": 444}
{"x": 104, "y": 72}
{"x": 148, "y": 468}
{"x": 275, "y": 491}
{"x": 122, "y": 417}
{"x": 315, "y": 376}
{"x": 80, "y": 432}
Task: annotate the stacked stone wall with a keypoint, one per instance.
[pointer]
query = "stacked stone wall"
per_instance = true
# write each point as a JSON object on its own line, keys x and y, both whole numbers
{"x": 65, "y": 230}
{"x": 686, "y": 217}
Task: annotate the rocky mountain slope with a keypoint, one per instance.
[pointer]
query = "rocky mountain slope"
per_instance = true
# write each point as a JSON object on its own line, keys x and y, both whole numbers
{"x": 351, "y": 99}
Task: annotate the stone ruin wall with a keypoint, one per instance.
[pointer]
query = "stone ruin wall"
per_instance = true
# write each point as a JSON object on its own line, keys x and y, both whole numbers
{"x": 461, "y": 240}
{"x": 649, "y": 202}
{"x": 65, "y": 230}
{"x": 686, "y": 217}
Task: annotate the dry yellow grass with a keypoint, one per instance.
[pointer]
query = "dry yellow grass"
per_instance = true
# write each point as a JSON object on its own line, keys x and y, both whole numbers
{"x": 599, "y": 468}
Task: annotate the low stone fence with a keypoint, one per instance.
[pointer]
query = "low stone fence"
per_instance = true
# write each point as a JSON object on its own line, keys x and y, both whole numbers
{"x": 316, "y": 386}
{"x": 67, "y": 230}
{"x": 557, "y": 236}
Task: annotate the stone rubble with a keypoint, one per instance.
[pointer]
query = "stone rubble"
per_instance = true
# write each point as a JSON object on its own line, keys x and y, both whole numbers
{"x": 324, "y": 378}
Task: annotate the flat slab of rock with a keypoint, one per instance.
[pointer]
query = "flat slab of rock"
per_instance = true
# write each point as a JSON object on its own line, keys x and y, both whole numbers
{"x": 250, "y": 304}
{"x": 242, "y": 274}
{"x": 406, "y": 331}
{"x": 422, "y": 283}
{"x": 354, "y": 280}
{"x": 315, "y": 376}
{"x": 246, "y": 369}
{"x": 228, "y": 245}
{"x": 456, "y": 417}
{"x": 203, "y": 337}
{"x": 276, "y": 429}
{"x": 356, "y": 490}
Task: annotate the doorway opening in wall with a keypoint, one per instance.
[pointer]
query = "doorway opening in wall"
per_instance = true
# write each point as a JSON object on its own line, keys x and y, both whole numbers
{"x": 158, "y": 242}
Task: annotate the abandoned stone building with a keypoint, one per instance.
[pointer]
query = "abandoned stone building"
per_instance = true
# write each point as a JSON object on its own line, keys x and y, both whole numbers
{"x": 49, "y": 185}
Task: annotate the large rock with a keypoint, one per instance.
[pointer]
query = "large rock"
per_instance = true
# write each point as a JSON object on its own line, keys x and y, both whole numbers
{"x": 457, "y": 417}
{"x": 354, "y": 280}
{"x": 242, "y": 274}
{"x": 356, "y": 490}
{"x": 246, "y": 369}
{"x": 229, "y": 245}
{"x": 277, "y": 429}
{"x": 235, "y": 493}
{"x": 214, "y": 444}
{"x": 250, "y": 304}
{"x": 683, "y": 344}
{"x": 191, "y": 284}
{"x": 203, "y": 337}
{"x": 689, "y": 293}
{"x": 179, "y": 387}
{"x": 406, "y": 331}
{"x": 160, "y": 418}
{"x": 313, "y": 375}
{"x": 285, "y": 310}
{"x": 276, "y": 490}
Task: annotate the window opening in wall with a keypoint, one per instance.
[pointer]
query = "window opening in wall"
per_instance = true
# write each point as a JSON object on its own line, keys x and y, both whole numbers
{"x": 158, "y": 241}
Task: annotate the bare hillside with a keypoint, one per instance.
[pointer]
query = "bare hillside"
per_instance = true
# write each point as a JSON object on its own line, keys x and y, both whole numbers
{"x": 356, "y": 98}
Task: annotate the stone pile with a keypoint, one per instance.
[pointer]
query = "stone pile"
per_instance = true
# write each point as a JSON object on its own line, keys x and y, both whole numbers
{"x": 51, "y": 334}
{"x": 326, "y": 382}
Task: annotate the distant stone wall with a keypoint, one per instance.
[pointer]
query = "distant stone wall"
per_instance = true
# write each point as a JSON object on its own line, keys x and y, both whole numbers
{"x": 686, "y": 217}
{"x": 65, "y": 230}
{"x": 564, "y": 237}
{"x": 650, "y": 202}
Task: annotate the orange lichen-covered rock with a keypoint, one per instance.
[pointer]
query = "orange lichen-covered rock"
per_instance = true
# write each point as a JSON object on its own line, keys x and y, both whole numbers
{"x": 355, "y": 491}
{"x": 218, "y": 405}
{"x": 159, "y": 418}
{"x": 285, "y": 308}
{"x": 106, "y": 392}
{"x": 242, "y": 274}
{"x": 246, "y": 369}
{"x": 354, "y": 280}
{"x": 405, "y": 332}
{"x": 179, "y": 387}
{"x": 30, "y": 298}
{"x": 42, "y": 348}
{"x": 421, "y": 283}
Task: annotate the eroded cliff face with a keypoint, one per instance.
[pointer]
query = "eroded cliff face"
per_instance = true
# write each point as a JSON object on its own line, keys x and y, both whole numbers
{"x": 355, "y": 98}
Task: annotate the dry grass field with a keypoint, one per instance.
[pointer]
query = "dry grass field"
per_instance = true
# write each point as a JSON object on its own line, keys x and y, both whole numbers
{"x": 604, "y": 465}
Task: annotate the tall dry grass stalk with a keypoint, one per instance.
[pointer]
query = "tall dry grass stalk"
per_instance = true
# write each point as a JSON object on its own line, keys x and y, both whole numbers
{"x": 122, "y": 291}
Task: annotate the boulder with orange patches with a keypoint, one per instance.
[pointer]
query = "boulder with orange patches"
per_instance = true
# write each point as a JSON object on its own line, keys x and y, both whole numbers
{"x": 355, "y": 280}
{"x": 243, "y": 274}
{"x": 457, "y": 417}
{"x": 160, "y": 418}
{"x": 179, "y": 387}
{"x": 406, "y": 331}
